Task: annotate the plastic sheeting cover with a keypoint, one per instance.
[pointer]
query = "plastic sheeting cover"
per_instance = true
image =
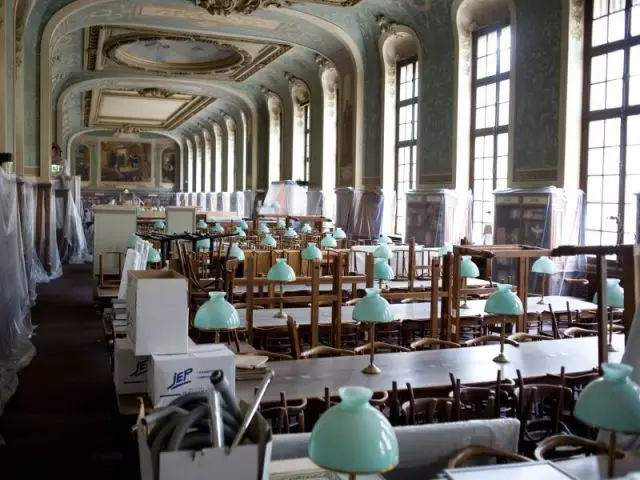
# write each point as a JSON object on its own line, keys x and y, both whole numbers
{"x": 16, "y": 349}
{"x": 74, "y": 248}
{"x": 237, "y": 203}
{"x": 359, "y": 212}
{"x": 438, "y": 216}
{"x": 34, "y": 269}
{"x": 285, "y": 197}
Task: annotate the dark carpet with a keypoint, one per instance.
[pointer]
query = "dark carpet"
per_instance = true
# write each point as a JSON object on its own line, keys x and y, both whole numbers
{"x": 63, "y": 421}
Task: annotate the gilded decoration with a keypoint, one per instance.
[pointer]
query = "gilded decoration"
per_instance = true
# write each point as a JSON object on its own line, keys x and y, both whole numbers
{"x": 246, "y": 7}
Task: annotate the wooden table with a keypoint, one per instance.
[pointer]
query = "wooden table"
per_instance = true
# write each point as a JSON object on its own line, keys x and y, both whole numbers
{"x": 308, "y": 378}
{"x": 595, "y": 467}
{"x": 418, "y": 311}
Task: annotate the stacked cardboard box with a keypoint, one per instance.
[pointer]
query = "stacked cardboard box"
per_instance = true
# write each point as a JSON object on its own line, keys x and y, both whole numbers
{"x": 157, "y": 355}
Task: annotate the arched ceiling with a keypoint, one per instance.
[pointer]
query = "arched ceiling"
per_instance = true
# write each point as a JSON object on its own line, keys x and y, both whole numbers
{"x": 103, "y": 53}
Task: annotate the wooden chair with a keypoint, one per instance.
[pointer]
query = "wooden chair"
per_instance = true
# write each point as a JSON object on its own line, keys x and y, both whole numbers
{"x": 473, "y": 453}
{"x": 380, "y": 347}
{"x": 577, "y": 332}
{"x": 324, "y": 351}
{"x": 561, "y": 447}
{"x": 273, "y": 356}
{"x": 484, "y": 400}
{"x": 287, "y": 416}
{"x": 525, "y": 337}
{"x": 418, "y": 411}
{"x": 432, "y": 344}
{"x": 487, "y": 340}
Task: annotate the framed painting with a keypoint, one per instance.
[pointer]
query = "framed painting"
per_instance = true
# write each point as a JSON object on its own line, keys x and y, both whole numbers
{"x": 82, "y": 163}
{"x": 126, "y": 162}
{"x": 169, "y": 163}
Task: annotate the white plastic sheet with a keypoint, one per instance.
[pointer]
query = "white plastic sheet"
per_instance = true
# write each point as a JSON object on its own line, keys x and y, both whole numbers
{"x": 437, "y": 216}
{"x": 73, "y": 243}
{"x": 33, "y": 266}
{"x": 237, "y": 203}
{"x": 286, "y": 197}
{"x": 202, "y": 200}
{"x": 224, "y": 202}
{"x": 16, "y": 349}
{"x": 359, "y": 212}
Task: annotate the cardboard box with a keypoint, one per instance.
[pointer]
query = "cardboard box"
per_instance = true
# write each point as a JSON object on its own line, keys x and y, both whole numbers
{"x": 173, "y": 375}
{"x": 129, "y": 371}
{"x": 158, "y": 319}
{"x": 246, "y": 462}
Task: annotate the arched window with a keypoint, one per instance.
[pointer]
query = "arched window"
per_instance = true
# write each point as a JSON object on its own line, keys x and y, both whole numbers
{"x": 490, "y": 118}
{"x": 274, "y": 105}
{"x": 207, "y": 160}
{"x": 301, "y": 126}
{"x": 329, "y": 78}
{"x": 406, "y": 149}
{"x": 231, "y": 153}
{"x": 611, "y": 157}
{"x": 190, "y": 160}
{"x": 399, "y": 51}
{"x": 217, "y": 135}
{"x": 198, "y": 161}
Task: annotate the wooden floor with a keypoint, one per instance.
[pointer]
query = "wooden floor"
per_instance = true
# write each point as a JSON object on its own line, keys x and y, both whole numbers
{"x": 63, "y": 421}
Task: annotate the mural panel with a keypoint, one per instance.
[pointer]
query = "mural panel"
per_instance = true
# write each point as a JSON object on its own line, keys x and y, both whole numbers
{"x": 169, "y": 164}
{"x": 125, "y": 162}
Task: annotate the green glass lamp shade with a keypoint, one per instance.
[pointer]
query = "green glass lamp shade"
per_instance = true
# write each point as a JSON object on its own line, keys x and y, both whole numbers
{"x": 159, "y": 225}
{"x": 243, "y": 225}
{"x": 275, "y": 205}
{"x": 339, "y": 234}
{"x": 290, "y": 233}
{"x": 372, "y": 308}
{"x": 468, "y": 269}
{"x": 504, "y": 302}
{"x": 216, "y": 314}
{"x": 236, "y": 252}
{"x": 354, "y": 437}
{"x": 154, "y": 256}
{"x": 203, "y": 244}
{"x": 384, "y": 240}
{"x": 544, "y": 265}
{"x": 281, "y": 272}
{"x": 139, "y": 211}
{"x": 382, "y": 270}
{"x": 306, "y": 228}
{"x": 217, "y": 228}
{"x": 312, "y": 252}
{"x": 240, "y": 232}
{"x": 445, "y": 249}
{"x": 263, "y": 229}
{"x": 383, "y": 251}
{"x": 282, "y": 224}
{"x": 612, "y": 402}
{"x": 328, "y": 241}
{"x": 133, "y": 239}
{"x": 268, "y": 241}
{"x": 201, "y": 224}
{"x": 615, "y": 294}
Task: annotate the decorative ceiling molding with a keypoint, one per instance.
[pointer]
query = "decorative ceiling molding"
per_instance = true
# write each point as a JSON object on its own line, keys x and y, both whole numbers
{"x": 324, "y": 64}
{"x": 187, "y": 107}
{"x": 217, "y": 130}
{"x": 155, "y": 93}
{"x": 387, "y": 26}
{"x": 299, "y": 89}
{"x": 230, "y": 122}
{"x": 246, "y": 7}
{"x": 247, "y": 64}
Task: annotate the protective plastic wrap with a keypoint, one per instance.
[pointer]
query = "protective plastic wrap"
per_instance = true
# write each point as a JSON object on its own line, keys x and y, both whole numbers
{"x": 16, "y": 349}
{"x": 181, "y": 199}
{"x": 388, "y": 212}
{"x": 210, "y": 201}
{"x": 224, "y": 201}
{"x": 541, "y": 217}
{"x": 237, "y": 203}
{"x": 72, "y": 243}
{"x": 252, "y": 202}
{"x": 438, "y": 216}
{"x": 286, "y": 197}
{"x": 359, "y": 212}
{"x": 48, "y": 251}
{"x": 202, "y": 201}
{"x": 192, "y": 200}
{"x": 33, "y": 266}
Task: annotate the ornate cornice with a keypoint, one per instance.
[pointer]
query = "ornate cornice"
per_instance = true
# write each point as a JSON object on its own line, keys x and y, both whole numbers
{"x": 217, "y": 130}
{"x": 230, "y": 122}
{"x": 298, "y": 87}
{"x": 386, "y": 25}
{"x": 155, "y": 93}
{"x": 228, "y": 7}
{"x": 324, "y": 64}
